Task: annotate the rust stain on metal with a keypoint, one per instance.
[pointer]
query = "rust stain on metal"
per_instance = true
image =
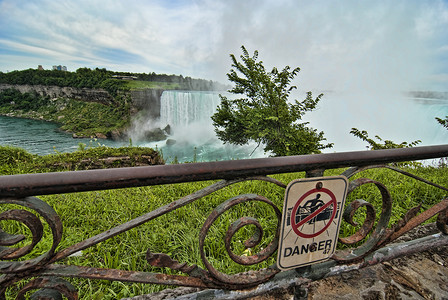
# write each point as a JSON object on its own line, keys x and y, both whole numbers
{"x": 90, "y": 180}
{"x": 366, "y": 226}
{"x": 419, "y": 219}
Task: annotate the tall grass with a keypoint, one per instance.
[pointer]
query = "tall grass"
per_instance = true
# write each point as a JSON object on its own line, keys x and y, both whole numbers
{"x": 177, "y": 233}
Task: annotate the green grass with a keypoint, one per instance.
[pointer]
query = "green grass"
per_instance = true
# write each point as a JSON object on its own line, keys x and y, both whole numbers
{"x": 139, "y": 84}
{"x": 177, "y": 233}
{"x": 15, "y": 160}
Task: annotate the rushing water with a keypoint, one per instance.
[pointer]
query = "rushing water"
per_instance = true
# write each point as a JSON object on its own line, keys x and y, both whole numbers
{"x": 181, "y": 109}
{"x": 188, "y": 113}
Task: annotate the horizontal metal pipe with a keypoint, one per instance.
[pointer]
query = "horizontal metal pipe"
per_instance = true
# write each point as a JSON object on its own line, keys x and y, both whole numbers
{"x": 78, "y": 181}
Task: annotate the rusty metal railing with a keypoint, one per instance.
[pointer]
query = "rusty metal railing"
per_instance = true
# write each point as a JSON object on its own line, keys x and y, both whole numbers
{"x": 47, "y": 270}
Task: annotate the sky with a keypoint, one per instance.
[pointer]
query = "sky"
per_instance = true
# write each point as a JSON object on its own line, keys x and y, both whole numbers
{"x": 339, "y": 45}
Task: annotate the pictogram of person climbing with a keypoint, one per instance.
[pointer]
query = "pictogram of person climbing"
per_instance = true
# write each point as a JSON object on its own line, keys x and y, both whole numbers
{"x": 311, "y": 206}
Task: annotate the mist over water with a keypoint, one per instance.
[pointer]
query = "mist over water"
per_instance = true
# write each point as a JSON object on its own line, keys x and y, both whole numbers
{"x": 392, "y": 116}
{"x": 349, "y": 46}
{"x": 363, "y": 56}
{"x": 188, "y": 115}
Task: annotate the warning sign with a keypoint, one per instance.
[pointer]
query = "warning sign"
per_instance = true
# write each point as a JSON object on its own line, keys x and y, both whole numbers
{"x": 311, "y": 219}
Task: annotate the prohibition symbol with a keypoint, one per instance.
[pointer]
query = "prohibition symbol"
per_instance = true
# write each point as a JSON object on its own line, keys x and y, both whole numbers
{"x": 312, "y": 211}
{"x": 311, "y": 220}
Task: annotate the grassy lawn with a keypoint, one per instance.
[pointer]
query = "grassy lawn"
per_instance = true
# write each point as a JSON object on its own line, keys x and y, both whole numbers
{"x": 138, "y": 84}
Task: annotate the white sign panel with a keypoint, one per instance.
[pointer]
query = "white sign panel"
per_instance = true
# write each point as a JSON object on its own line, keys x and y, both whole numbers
{"x": 311, "y": 219}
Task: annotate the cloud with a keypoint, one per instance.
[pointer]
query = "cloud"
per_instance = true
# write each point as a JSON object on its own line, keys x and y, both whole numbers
{"x": 338, "y": 44}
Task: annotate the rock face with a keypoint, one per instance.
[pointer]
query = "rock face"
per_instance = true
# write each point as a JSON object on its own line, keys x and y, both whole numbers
{"x": 144, "y": 99}
{"x": 154, "y": 135}
{"x": 148, "y": 100}
{"x": 84, "y": 94}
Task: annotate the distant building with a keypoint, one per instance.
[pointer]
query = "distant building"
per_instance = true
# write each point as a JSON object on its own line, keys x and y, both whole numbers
{"x": 60, "y": 68}
{"x": 39, "y": 67}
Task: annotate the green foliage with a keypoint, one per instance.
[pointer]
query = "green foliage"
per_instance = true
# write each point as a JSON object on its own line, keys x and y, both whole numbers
{"x": 140, "y": 84}
{"x": 386, "y": 144}
{"x": 82, "y": 78}
{"x": 11, "y": 99}
{"x": 443, "y": 122}
{"x": 90, "y": 118}
{"x": 13, "y": 156}
{"x": 92, "y": 156}
{"x": 80, "y": 117}
{"x": 265, "y": 115}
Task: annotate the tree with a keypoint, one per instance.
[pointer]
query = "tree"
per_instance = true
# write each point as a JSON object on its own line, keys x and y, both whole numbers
{"x": 387, "y": 144}
{"x": 263, "y": 114}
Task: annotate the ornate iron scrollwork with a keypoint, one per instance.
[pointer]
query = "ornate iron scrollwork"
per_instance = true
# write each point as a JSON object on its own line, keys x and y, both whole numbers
{"x": 13, "y": 271}
{"x": 34, "y": 224}
{"x": 49, "y": 288}
{"x": 213, "y": 277}
{"x": 383, "y": 234}
{"x": 251, "y": 278}
{"x": 380, "y": 231}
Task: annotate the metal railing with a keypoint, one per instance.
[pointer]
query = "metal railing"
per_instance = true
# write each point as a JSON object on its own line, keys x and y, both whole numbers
{"x": 372, "y": 245}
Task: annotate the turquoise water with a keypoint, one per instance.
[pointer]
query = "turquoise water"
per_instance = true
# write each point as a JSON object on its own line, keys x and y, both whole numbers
{"x": 41, "y": 137}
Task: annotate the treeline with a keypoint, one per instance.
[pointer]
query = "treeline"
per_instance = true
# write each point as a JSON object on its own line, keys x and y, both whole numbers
{"x": 428, "y": 94}
{"x": 185, "y": 83}
{"x": 82, "y": 78}
{"x": 100, "y": 78}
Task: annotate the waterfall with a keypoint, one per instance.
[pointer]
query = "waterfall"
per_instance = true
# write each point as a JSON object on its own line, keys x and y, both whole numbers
{"x": 181, "y": 108}
{"x": 192, "y": 133}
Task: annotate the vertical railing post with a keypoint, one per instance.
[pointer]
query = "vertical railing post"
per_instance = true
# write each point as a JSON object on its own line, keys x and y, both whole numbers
{"x": 315, "y": 173}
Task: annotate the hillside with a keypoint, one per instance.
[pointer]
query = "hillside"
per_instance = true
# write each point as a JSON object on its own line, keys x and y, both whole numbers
{"x": 89, "y": 103}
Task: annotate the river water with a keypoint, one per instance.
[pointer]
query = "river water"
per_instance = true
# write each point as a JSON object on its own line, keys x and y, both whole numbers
{"x": 41, "y": 137}
{"x": 399, "y": 120}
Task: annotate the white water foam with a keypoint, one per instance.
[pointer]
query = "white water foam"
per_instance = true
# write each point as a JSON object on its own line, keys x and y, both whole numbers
{"x": 188, "y": 113}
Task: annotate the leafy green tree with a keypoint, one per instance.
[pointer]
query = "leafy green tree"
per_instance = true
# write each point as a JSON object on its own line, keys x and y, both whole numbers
{"x": 263, "y": 113}
{"x": 386, "y": 144}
